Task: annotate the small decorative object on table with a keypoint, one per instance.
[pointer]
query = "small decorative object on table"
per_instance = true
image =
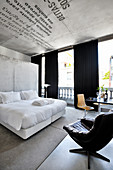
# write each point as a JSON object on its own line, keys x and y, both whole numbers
{"x": 106, "y": 96}
{"x": 102, "y": 92}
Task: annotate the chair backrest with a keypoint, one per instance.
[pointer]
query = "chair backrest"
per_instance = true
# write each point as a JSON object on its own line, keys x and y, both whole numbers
{"x": 81, "y": 100}
{"x": 102, "y": 130}
{"x": 104, "y": 123}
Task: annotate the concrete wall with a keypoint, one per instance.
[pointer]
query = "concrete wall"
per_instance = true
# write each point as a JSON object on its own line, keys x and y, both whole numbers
{"x": 11, "y": 54}
{"x": 17, "y": 72}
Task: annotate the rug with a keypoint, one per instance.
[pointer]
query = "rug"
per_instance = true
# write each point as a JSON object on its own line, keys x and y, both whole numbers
{"x": 19, "y": 154}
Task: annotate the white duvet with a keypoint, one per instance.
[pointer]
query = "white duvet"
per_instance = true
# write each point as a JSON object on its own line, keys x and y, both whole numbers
{"x": 23, "y": 114}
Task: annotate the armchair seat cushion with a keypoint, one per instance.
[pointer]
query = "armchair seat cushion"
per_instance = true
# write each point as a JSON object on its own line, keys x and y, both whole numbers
{"x": 76, "y": 130}
{"x": 87, "y": 123}
{"x": 79, "y": 127}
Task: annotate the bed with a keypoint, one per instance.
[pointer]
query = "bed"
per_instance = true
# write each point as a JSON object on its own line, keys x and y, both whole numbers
{"x": 27, "y": 116}
{"x": 19, "y": 84}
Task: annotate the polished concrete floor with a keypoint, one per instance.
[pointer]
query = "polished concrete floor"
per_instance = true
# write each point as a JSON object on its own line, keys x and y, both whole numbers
{"x": 62, "y": 159}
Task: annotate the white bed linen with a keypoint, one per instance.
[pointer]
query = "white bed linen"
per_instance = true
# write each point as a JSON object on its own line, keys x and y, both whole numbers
{"x": 23, "y": 114}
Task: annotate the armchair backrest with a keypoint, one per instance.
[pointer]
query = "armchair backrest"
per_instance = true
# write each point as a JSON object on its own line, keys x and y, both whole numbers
{"x": 102, "y": 131}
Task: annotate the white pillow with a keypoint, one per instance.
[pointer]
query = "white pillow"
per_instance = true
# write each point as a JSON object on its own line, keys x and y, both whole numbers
{"x": 7, "y": 97}
{"x": 29, "y": 95}
{"x": 16, "y": 96}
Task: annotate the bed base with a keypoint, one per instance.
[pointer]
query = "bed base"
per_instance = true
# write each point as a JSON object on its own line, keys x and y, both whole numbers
{"x": 26, "y": 133}
{"x": 58, "y": 115}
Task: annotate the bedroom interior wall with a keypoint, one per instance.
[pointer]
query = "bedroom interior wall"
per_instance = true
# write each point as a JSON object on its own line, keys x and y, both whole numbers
{"x": 25, "y": 76}
{"x": 17, "y": 72}
{"x": 11, "y": 54}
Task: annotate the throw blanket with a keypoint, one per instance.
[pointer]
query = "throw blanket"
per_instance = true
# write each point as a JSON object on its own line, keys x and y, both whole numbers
{"x": 42, "y": 102}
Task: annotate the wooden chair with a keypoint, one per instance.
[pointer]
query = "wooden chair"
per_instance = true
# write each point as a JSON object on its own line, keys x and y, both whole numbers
{"x": 82, "y": 105}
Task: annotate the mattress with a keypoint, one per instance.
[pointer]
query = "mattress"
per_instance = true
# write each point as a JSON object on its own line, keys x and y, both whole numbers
{"x": 23, "y": 115}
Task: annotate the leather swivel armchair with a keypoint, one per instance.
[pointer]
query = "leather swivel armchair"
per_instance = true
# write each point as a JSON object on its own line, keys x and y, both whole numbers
{"x": 92, "y": 135}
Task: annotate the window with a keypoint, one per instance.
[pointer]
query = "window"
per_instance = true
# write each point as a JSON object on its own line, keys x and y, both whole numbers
{"x": 106, "y": 63}
{"x": 66, "y": 69}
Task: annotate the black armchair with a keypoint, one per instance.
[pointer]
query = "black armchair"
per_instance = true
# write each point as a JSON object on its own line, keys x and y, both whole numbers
{"x": 92, "y": 135}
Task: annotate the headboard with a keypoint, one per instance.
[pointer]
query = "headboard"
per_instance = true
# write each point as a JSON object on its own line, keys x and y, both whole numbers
{"x": 18, "y": 75}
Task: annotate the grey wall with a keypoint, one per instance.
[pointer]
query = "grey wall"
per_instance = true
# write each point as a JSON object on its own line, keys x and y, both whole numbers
{"x": 6, "y": 75}
{"x": 25, "y": 76}
{"x": 11, "y": 54}
{"x": 16, "y": 74}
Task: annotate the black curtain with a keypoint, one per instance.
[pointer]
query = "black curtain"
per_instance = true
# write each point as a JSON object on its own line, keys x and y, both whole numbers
{"x": 38, "y": 60}
{"x": 85, "y": 69}
{"x": 51, "y": 73}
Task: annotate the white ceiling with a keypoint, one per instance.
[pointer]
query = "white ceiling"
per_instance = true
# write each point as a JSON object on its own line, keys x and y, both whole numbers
{"x": 39, "y": 26}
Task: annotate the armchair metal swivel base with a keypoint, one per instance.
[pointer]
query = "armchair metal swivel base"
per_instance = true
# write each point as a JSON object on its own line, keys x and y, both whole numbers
{"x": 89, "y": 153}
{"x": 92, "y": 135}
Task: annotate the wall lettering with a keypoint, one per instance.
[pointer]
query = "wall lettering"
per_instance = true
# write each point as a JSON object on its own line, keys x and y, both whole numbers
{"x": 17, "y": 29}
{"x": 56, "y": 10}
{"x": 33, "y": 15}
{"x": 64, "y": 4}
{"x": 28, "y": 20}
